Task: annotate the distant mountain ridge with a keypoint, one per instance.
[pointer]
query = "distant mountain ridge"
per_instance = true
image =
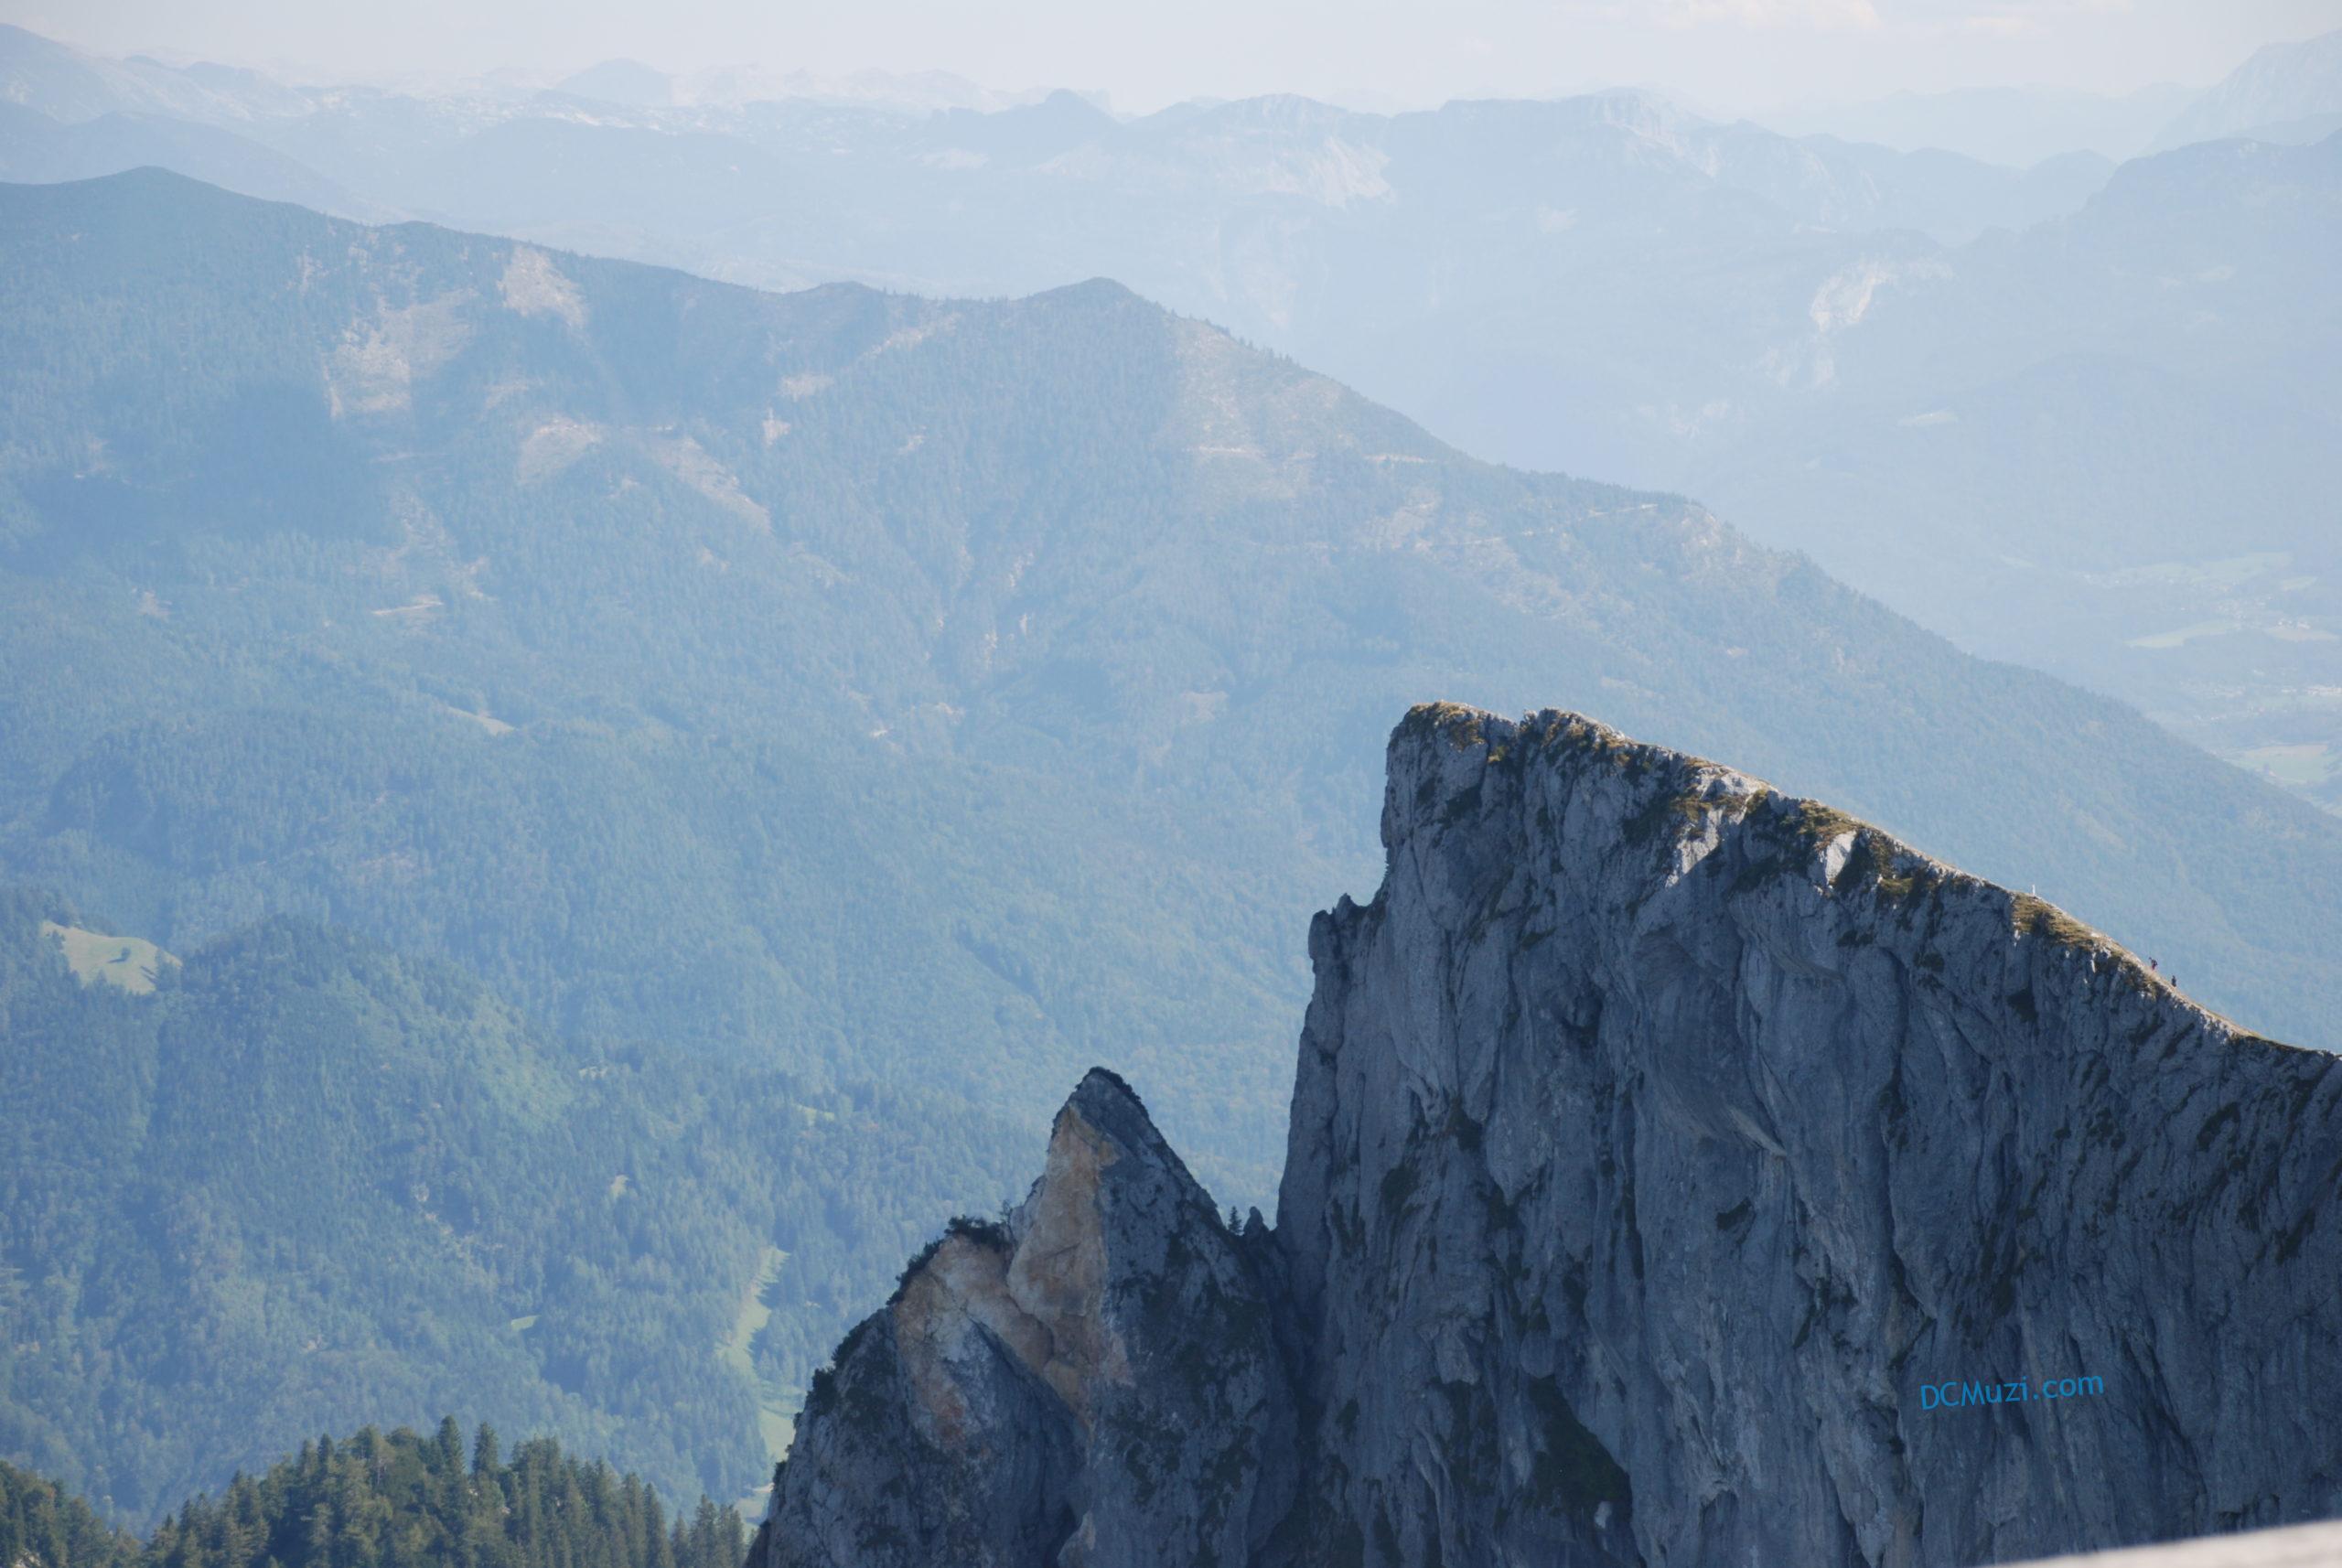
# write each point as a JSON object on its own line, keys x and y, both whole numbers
{"x": 2017, "y": 126}
{"x": 1843, "y": 347}
{"x": 69, "y": 86}
{"x": 2287, "y": 91}
{"x": 36, "y": 149}
{"x": 393, "y": 150}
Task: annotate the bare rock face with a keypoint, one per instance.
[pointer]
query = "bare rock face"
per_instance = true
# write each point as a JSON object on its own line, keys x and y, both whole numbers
{"x": 1679, "y": 1174}
{"x": 1092, "y": 1384}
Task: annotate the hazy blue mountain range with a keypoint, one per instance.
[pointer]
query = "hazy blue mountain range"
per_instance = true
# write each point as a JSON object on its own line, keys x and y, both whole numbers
{"x": 469, "y": 157}
{"x": 38, "y": 149}
{"x": 2285, "y": 92}
{"x": 2018, "y": 126}
{"x": 858, "y": 688}
{"x": 630, "y": 81}
{"x": 2099, "y": 446}
{"x": 1900, "y": 361}
{"x": 67, "y": 84}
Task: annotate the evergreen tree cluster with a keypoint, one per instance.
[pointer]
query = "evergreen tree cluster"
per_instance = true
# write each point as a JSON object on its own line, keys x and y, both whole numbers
{"x": 400, "y": 1500}
{"x": 44, "y": 1526}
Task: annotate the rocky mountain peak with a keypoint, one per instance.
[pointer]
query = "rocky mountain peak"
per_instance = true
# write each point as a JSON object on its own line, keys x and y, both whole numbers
{"x": 1646, "y": 817}
{"x": 1679, "y": 1172}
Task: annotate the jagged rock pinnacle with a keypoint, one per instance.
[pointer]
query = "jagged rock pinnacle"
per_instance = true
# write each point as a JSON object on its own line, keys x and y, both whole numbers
{"x": 1093, "y": 1382}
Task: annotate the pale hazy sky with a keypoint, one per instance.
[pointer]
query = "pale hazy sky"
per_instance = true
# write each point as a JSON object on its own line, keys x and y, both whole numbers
{"x": 1727, "y": 54}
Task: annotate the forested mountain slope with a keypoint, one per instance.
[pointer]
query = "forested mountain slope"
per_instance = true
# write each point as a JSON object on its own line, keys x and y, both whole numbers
{"x": 515, "y": 605}
{"x": 866, "y": 689}
{"x": 304, "y": 1177}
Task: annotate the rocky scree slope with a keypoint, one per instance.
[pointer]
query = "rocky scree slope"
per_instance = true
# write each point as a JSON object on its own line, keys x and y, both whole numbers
{"x": 1655, "y": 1138}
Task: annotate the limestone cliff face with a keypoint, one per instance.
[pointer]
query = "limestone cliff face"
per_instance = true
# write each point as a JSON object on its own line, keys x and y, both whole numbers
{"x": 1647, "y": 1107}
{"x": 1660, "y": 1147}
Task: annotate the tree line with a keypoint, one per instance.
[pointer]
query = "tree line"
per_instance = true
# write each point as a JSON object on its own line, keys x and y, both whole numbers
{"x": 394, "y": 1501}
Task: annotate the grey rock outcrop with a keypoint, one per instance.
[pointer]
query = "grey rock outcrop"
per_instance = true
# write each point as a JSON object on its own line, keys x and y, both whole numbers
{"x": 1092, "y": 1383}
{"x": 1660, "y": 1148}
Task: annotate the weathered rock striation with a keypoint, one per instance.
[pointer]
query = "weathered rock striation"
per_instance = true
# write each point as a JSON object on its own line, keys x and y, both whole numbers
{"x": 1661, "y": 1147}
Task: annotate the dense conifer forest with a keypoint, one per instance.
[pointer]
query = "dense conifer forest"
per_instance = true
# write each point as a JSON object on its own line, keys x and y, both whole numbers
{"x": 394, "y": 1501}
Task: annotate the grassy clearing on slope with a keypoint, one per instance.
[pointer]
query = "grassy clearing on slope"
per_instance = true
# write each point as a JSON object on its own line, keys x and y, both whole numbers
{"x": 2302, "y": 767}
{"x": 776, "y": 1408}
{"x": 126, "y": 961}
